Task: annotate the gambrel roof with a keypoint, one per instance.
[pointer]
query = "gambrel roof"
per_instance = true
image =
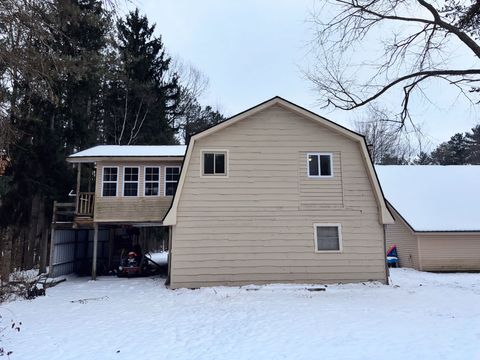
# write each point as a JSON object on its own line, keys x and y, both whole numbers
{"x": 385, "y": 216}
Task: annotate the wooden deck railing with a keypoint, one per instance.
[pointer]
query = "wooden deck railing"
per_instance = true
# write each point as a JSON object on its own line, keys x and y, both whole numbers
{"x": 85, "y": 203}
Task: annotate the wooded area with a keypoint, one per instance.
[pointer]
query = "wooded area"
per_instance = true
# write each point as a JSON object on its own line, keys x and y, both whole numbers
{"x": 74, "y": 75}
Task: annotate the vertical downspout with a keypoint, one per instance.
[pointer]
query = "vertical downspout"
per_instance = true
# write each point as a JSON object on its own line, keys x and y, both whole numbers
{"x": 387, "y": 270}
{"x": 169, "y": 271}
{"x": 95, "y": 250}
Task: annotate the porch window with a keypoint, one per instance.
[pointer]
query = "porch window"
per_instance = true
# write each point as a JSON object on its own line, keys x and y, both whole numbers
{"x": 172, "y": 174}
{"x": 152, "y": 181}
{"x": 130, "y": 181}
{"x": 319, "y": 165}
{"x": 214, "y": 163}
{"x": 328, "y": 237}
{"x": 109, "y": 181}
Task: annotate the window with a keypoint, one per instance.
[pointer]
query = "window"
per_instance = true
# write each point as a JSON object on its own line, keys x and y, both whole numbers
{"x": 152, "y": 181}
{"x": 172, "y": 175}
{"x": 328, "y": 237}
{"x": 109, "y": 181}
{"x": 130, "y": 181}
{"x": 214, "y": 163}
{"x": 320, "y": 165}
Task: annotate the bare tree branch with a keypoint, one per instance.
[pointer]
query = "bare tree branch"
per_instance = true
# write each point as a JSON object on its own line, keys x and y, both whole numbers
{"x": 415, "y": 52}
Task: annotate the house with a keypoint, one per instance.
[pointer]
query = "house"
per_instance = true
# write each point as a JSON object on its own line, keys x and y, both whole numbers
{"x": 437, "y": 217}
{"x": 122, "y": 193}
{"x": 275, "y": 194}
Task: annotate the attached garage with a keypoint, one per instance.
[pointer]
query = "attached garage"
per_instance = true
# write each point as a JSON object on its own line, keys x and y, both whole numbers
{"x": 437, "y": 215}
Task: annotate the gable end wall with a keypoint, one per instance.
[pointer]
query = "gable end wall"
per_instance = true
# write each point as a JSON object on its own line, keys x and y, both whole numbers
{"x": 256, "y": 225}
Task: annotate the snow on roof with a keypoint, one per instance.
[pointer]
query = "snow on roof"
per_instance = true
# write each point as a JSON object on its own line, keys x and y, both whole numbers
{"x": 131, "y": 150}
{"x": 434, "y": 198}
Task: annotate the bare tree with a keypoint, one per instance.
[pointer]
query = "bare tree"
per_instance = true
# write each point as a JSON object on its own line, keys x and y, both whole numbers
{"x": 421, "y": 38}
{"x": 388, "y": 140}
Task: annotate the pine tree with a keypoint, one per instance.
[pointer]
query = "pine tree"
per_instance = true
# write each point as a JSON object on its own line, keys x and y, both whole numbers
{"x": 452, "y": 152}
{"x": 392, "y": 159}
{"x": 198, "y": 119}
{"x": 472, "y": 140}
{"x": 423, "y": 159}
{"x": 143, "y": 95}
{"x": 47, "y": 107}
{"x": 82, "y": 42}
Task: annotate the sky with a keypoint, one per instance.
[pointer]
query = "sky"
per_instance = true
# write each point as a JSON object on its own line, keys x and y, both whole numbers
{"x": 254, "y": 50}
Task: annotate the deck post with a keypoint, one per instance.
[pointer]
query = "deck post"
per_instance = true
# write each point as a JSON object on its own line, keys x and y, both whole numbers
{"x": 52, "y": 239}
{"x": 95, "y": 248}
{"x": 79, "y": 179}
{"x": 52, "y": 250}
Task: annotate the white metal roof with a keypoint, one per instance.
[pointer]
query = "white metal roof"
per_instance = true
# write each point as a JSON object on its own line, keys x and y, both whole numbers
{"x": 131, "y": 151}
{"x": 434, "y": 198}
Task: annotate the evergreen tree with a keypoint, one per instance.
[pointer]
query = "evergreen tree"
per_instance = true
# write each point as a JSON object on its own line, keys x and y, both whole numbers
{"x": 51, "y": 79}
{"x": 392, "y": 159}
{"x": 472, "y": 140}
{"x": 423, "y": 159}
{"x": 83, "y": 43}
{"x": 197, "y": 119}
{"x": 452, "y": 152}
{"x": 144, "y": 96}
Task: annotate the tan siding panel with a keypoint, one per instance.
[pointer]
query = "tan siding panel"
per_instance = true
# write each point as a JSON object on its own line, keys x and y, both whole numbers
{"x": 450, "y": 252}
{"x": 132, "y": 209}
{"x": 256, "y": 225}
{"x": 406, "y": 241}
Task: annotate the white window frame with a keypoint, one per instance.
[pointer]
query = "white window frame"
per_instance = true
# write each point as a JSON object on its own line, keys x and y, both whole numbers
{"x": 165, "y": 178}
{"x": 218, "y": 151}
{"x": 145, "y": 179}
{"x": 124, "y": 182}
{"x": 340, "y": 241}
{"x": 110, "y": 182}
{"x": 319, "y": 168}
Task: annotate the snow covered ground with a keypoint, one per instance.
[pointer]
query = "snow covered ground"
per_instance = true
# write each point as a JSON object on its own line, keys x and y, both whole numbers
{"x": 419, "y": 316}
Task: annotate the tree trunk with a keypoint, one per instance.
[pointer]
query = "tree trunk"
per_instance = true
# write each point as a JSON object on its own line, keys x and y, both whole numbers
{"x": 6, "y": 254}
{"x": 41, "y": 239}
{"x": 29, "y": 259}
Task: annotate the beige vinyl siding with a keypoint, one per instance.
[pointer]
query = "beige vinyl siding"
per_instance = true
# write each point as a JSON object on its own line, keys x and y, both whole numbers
{"x": 405, "y": 239}
{"x": 132, "y": 208}
{"x": 450, "y": 251}
{"x": 320, "y": 192}
{"x": 256, "y": 226}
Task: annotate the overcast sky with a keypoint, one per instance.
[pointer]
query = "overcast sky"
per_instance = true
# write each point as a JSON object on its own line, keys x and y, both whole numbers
{"x": 254, "y": 50}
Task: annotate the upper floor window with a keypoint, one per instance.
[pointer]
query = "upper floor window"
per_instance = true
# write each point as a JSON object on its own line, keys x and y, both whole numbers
{"x": 320, "y": 165}
{"x": 109, "y": 181}
{"x": 130, "y": 181}
{"x": 172, "y": 174}
{"x": 152, "y": 181}
{"x": 214, "y": 163}
{"x": 328, "y": 237}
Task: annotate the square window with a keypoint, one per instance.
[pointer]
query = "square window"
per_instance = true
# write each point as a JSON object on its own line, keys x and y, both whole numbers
{"x": 319, "y": 165}
{"x": 327, "y": 237}
{"x": 214, "y": 163}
